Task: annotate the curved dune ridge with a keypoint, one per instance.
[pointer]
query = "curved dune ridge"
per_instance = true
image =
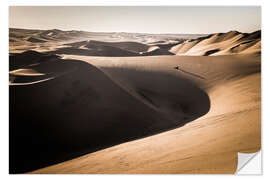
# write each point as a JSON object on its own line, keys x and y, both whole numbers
{"x": 129, "y": 46}
{"x": 26, "y": 76}
{"x": 112, "y": 49}
{"x": 35, "y": 40}
{"x": 26, "y": 72}
{"x": 232, "y": 42}
{"x": 47, "y": 129}
{"x": 42, "y": 36}
{"x": 207, "y": 145}
{"x": 28, "y": 58}
{"x": 34, "y": 67}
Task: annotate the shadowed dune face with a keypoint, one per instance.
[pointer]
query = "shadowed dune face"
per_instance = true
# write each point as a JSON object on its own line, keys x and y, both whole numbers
{"x": 96, "y": 51}
{"x": 82, "y": 110}
{"x": 112, "y": 49}
{"x": 129, "y": 46}
{"x": 27, "y": 58}
{"x": 173, "y": 95}
{"x": 35, "y": 40}
{"x": 207, "y": 53}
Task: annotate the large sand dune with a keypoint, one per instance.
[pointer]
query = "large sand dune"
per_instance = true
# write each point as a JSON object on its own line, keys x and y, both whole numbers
{"x": 83, "y": 110}
{"x": 154, "y": 112}
{"x": 208, "y": 144}
{"x": 229, "y": 43}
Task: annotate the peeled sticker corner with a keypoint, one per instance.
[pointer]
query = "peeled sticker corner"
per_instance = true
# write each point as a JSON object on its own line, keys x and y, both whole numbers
{"x": 249, "y": 164}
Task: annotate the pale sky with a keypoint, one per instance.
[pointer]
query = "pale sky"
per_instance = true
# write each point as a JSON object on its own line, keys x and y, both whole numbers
{"x": 181, "y": 19}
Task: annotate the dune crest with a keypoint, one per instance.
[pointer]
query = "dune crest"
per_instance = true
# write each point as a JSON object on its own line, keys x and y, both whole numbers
{"x": 229, "y": 43}
{"x": 208, "y": 144}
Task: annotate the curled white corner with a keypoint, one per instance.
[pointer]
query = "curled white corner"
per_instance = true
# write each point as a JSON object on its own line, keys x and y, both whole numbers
{"x": 249, "y": 163}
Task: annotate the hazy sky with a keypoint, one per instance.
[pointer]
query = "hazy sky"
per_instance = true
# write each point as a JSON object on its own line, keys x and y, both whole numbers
{"x": 138, "y": 19}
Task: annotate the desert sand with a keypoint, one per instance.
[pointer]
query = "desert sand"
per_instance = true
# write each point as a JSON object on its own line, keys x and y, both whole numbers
{"x": 85, "y": 102}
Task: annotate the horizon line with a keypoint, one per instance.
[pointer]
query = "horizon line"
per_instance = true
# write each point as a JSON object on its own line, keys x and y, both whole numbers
{"x": 131, "y": 32}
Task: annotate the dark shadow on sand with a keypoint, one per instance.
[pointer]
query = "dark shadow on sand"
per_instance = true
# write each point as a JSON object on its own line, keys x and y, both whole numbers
{"x": 111, "y": 49}
{"x": 85, "y": 111}
{"x": 108, "y": 51}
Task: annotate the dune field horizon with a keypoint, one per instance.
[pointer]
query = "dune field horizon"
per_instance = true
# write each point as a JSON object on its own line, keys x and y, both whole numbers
{"x": 89, "y": 102}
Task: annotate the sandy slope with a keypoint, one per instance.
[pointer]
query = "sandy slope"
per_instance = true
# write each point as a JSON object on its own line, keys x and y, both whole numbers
{"x": 76, "y": 109}
{"x": 208, "y": 144}
{"x": 113, "y": 49}
{"x": 229, "y": 43}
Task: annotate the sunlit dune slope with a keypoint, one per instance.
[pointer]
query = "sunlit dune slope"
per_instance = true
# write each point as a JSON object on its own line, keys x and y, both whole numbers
{"x": 232, "y": 42}
{"x": 207, "y": 145}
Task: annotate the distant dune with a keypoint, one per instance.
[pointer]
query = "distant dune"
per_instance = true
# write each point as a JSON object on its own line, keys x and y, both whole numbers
{"x": 232, "y": 42}
{"x": 59, "y": 35}
{"x": 113, "y": 49}
{"x": 42, "y": 40}
{"x": 129, "y": 46}
{"x": 35, "y": 40}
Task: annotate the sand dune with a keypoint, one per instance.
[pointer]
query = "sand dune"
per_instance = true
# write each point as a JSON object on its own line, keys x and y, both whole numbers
{"x": 116, "y": 105}
{"x": 255, "y": 49}
{"x": 59, "y": 35}
{"x": 53, "y": 32}
{"x": 183, "y": 48}
{"x": 208, "y": 144}
{"x": 111, "y": 49}
{"x": 24, "y": 80}
{"x": 166, "y": 44}
{"x": 94, "y": 50}
{"x": 59, "y": 135}
{"x": 35, "y": 40}
{"x": 26, "y": 76}
{"x": 129, "y": 46}
{"x": 34, "y": 67}
{"x": 17, "y": 61}
{"x": 157, "y": 52}
{"x": 25, "y": 72}
{"x": 134, "y": 42}
{"x": 229, "y": 43}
